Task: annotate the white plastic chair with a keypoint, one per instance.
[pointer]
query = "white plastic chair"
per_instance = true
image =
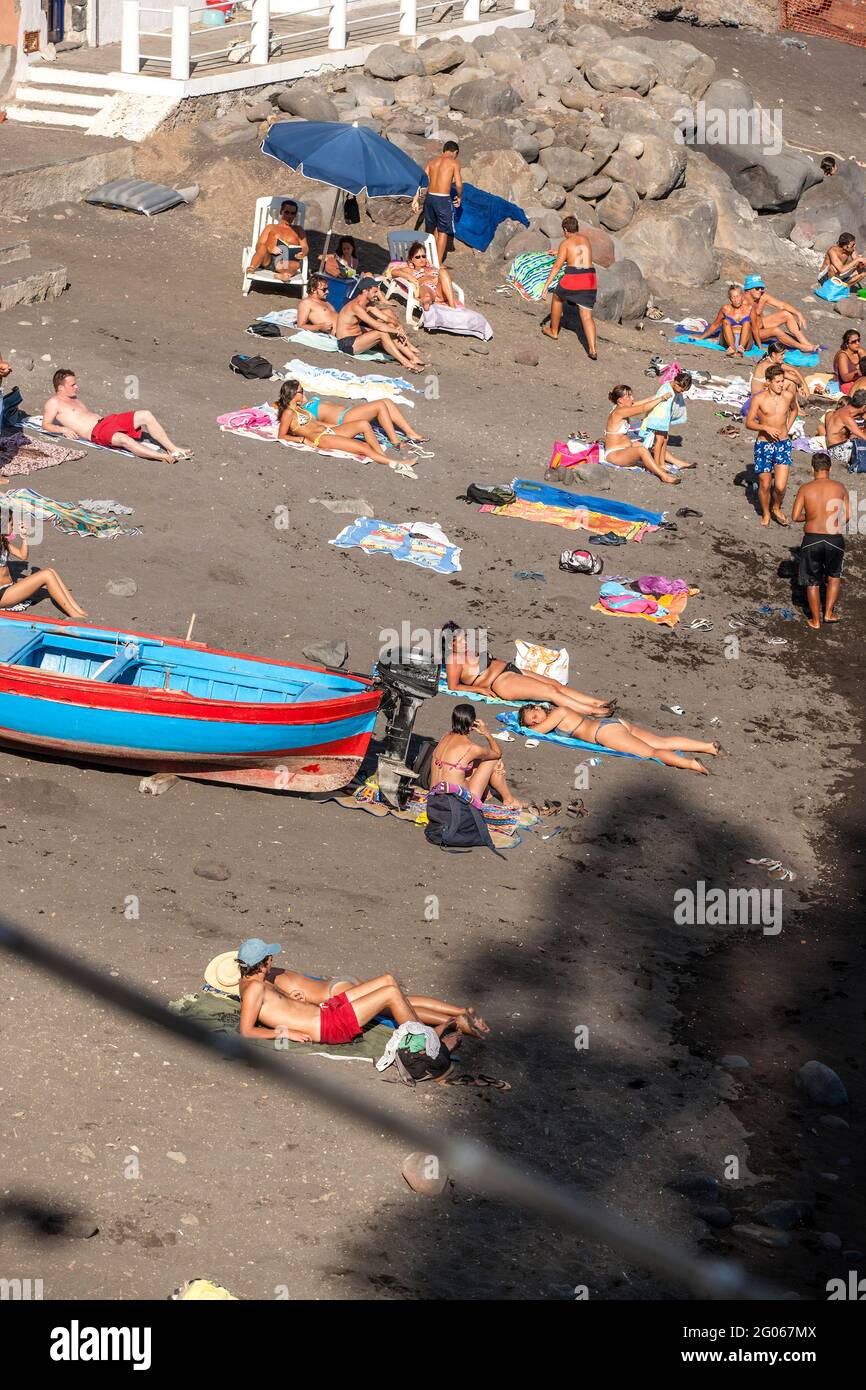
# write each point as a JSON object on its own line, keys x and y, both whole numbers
{"x": 268, "y": 210}
{"x": 398, "y": 249}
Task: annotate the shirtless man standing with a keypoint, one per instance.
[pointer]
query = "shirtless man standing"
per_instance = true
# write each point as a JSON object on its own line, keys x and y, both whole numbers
{"x": 66, "y": 414}
{"x": 282, "y": 1004}
{"x": 315, "y": 314}
{"x": 826, "y": 509}
{"x": 359, "y": 330}
{"x": 578, "y": 286}
{"x": 842, "y": 425}
{"x": 443, "y": 173}
{"x": 275, "y": 249}
{"x": 771, "y": 415}
{"x": 773, "y": 318}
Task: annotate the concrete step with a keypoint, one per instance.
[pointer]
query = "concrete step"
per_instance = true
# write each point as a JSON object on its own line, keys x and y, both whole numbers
{"x": 60, "y": 96}
{"x": 45, "y": 75}
{"x": 14, "y": 251}
{"x": 38, "y": 283}
{"x": 35, "y": 115}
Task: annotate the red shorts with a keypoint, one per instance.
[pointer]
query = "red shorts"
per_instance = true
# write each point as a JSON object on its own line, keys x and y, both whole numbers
{"x": 105, "y": 429}
{"x": 339, "y": 1023}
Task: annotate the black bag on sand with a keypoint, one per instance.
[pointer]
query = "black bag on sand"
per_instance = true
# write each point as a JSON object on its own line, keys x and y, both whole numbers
{"x": 265, "y": 330}
{"x": 253, "y": 368}
{"x": 412, "y": 1067}
{"x": 490, "y": 496}
{"x": 456, "y": 824}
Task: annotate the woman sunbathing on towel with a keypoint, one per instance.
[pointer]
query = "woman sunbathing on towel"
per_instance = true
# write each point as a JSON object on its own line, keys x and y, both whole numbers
{"x": 621, "y": 735}
{"x": 296, "y": 423}
{"x": 432, "y": 286}
{"x": 623, "y": 452}
{"x": 458, "y": 762}
{"x": 386, "y": 415}
{"x": 12, "y": 593}
{"x": 504, "y": 681}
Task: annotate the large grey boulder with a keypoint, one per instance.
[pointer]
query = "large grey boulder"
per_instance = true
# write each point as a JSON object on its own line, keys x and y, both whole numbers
{"x": 624, "y": 168}
{"x": 622, "y": 292}
{"x": 611, "y": 73}
{"x": 744, "y": 142}
{"x": 628, "y": 113}
{"x": 505, "y": 173}
{"x": 558, "y": 64}
{"x": 662, "y": 167}
{"x": 552, "y": 195}
{"x": 740, "y": 232}
{"x": 501, "y": 237}
{"x": 483, "y": 97}
{"x": 527, "y": 146}
{"x": 309, "y": 105}
{"x": 594, "y": 187}
{"x": 600, "y": 144}
{"x": 679, "y": 64}
{"x": 503, "y": 62}
{"x": 676, "y": 108}
{"x": 390, "y": 212}
{"x": 442, "y": 56}
{"x": 367, "y": 91}
{"x": 617, "y": 208}
{"x": 413, "y": 89}
{"x": 577, "y": 95}
{"x": 391, "y": 63}
{"x": 673, "y": 240}
{"x": 565, "y": 166}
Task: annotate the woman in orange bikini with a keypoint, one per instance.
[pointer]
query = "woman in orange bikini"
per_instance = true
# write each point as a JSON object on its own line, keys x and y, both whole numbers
{"x": 298, "y": 423}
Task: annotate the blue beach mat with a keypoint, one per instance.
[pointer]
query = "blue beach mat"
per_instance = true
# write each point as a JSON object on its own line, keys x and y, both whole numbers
{"x": 793, "y": 356}
{"x": 529, "y": 491}
{"x": 511, "y": 722}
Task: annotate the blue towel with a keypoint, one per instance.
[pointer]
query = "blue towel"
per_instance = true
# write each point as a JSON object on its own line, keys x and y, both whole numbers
{"x": 512, "y": 722}
{"x": 530, "y": 491}
{"x": 480, "y": 213}
{"x": 794, "y": 356}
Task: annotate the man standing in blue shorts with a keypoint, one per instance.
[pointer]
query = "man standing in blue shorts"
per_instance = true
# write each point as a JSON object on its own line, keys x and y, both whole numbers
{"x": 771, "y": 415}
{"x": 443, "y": 174}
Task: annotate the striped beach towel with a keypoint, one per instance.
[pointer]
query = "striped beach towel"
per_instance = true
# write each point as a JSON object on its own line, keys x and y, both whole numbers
{"x": 72, "y": 520}
{"x": 529, "y": 272}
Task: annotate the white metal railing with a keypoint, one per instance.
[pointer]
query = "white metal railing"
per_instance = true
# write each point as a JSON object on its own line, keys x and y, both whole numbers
{"x": 179, "y": 32}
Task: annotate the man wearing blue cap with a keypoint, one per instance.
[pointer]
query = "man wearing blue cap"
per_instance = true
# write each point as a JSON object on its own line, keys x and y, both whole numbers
{"x": 278, "y": 1004}
{"x": 773, "y": 318}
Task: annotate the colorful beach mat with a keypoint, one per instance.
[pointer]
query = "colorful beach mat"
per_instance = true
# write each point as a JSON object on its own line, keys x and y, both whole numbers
{"x": 72, "y": 520}
{"x": 416, "y": 542}
{"x": 577, "y": 511}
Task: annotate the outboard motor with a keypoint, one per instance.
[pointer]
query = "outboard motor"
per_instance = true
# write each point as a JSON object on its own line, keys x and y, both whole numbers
{"x": 406, "y": 682}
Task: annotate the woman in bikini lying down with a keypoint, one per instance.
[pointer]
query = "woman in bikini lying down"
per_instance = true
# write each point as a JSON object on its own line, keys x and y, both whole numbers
{"x": 621, "y": 451}
{"x": 458, "y": 762}
{"x": 382, "y": 413}
{"x": 621, "y": 735}
{"x": 12, "y": 592}
{"x": 466, "y": 670}
{"x": 295, "y": 423}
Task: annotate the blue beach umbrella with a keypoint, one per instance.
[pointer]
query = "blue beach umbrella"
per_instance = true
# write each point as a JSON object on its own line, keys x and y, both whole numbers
{"x": 350, "y": 158}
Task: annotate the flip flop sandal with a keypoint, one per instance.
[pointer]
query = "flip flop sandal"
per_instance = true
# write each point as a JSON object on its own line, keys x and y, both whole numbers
{"x": 701, "y": 625}
{"x": 532, "y": 743}
{"x": 788, "y": 614}
{"x": 577, "y": 808}
{"x": 668, "y": 526}
{"x": 776, "y": 869}
{"x": 688, "y": 511}
{"x": 777, "y": 641}
{"x": 674, "y": 709}
{"x": 609, "y": 538}
{"x": 479, "y": 1080}
{"x": 405, "y": 470}
{"x": 184, "y": 455}
{"x": 736, "y": 623}
{"x": 766, "y": 610}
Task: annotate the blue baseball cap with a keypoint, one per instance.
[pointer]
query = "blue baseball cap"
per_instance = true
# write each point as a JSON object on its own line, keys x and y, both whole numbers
{"x": 753, "y": 282}
{"x": 253, "y": 950}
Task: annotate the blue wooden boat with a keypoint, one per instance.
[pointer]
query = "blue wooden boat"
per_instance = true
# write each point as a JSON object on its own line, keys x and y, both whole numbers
{"x": 160, "y": 705}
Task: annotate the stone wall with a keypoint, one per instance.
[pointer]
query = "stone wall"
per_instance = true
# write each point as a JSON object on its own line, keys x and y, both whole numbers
{"x": 627, "y": 14}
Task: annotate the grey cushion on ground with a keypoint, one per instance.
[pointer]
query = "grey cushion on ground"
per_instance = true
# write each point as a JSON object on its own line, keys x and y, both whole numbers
{"x": 673, "y": 240}
{"x": 135, "y": 196}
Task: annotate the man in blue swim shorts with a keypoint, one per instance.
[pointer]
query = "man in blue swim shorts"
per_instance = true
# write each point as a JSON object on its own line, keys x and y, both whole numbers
{"x": 443, "y": 174}
{"x": 771, "y": 415}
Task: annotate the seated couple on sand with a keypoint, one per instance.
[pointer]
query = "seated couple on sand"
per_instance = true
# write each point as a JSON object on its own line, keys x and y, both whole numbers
{"x": 283, "y": 1004}
{"x": 751, "y": 314}
{"x": 325, "y": 425}
{"x": 362, "y": 324}
{"x": 67, "y": 415}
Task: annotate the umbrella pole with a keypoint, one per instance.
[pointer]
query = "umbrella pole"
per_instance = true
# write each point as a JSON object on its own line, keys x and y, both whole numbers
{"x": 326, "y": 248}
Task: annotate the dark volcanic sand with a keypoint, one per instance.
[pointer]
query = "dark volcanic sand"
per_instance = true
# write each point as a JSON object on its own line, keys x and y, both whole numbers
{"x": 249, "y": 1187}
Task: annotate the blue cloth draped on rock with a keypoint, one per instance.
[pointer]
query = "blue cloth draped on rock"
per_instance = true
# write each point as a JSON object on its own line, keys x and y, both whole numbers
{"x": 480, "y": 213}
{"x": 530, "y": 491}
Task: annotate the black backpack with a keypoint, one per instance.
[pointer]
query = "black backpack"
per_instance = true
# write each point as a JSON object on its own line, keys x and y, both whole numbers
{"x": 251, "y": 367}
{"x": 260, "y": 329}
{"x": 489, "y": 496}
{"x": 456, "y": 824}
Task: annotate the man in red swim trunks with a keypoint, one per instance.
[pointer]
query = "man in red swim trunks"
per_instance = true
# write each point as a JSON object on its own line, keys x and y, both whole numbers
{"x": 578, "y": 285}
{"x": 66, "y": 414}
{"x": 281, "y": 1004}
